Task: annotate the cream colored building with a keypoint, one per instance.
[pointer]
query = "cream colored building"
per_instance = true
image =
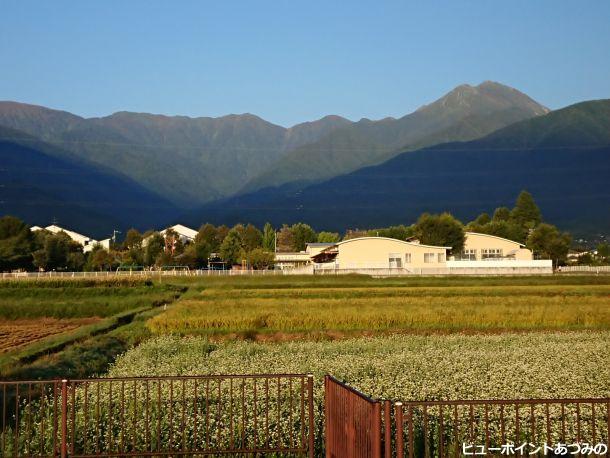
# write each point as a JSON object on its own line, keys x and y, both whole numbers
{"x": 485, "y": 247}
{"x": 382, "y": 256}
{"x": 289, "y": 260}
{"x": 380, "y": 253}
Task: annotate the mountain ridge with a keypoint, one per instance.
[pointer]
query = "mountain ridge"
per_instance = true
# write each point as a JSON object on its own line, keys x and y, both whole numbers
{"x": 190, "y": 161}
{"x": 568, "y": 180}
{"x": 390, "y": 136}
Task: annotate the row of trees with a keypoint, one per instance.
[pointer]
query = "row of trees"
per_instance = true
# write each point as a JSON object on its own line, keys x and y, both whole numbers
{"x": 21, "y": 248}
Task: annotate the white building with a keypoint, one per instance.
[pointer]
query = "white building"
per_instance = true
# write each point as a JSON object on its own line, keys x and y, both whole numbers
{"x": 86, "y": 242}
{"x": 186, "y": 234}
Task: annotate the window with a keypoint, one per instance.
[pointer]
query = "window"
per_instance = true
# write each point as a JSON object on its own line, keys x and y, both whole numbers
{"x": 407, "y": 258}
{"x": 429, "y": 258}
{"x": 491, "y": 253}
{"x": 440, "y": 257}
{"x": 468, "y": 255}
{"x": 395, "y": 260}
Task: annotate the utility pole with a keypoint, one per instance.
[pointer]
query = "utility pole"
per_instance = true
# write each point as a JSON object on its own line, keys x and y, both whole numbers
{"x": 114, "y": 233}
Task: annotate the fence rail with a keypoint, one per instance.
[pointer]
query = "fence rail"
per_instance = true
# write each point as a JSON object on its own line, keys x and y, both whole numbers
{"x": 160, "y": 416}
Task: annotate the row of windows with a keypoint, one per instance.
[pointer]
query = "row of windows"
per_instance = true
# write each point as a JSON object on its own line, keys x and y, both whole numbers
{"x": 396, "y": 259}
{"x": 486, "y": 253}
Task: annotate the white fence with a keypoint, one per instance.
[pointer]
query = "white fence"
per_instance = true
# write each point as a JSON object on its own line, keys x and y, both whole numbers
{"x": 143, "y": 274}
{"x": 481, "y": 268}
{"x": 584, "y": 269}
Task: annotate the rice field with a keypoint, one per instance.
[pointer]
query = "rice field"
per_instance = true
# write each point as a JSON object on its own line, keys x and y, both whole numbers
{"x": 76, "y": 298}
{"x": 266, "y": 311}
{"x": 40, "y": 316}
{"x": 17, "y": 333}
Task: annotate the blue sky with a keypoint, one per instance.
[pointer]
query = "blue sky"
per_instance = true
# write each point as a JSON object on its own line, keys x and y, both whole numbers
{"x": 292, "y": 61}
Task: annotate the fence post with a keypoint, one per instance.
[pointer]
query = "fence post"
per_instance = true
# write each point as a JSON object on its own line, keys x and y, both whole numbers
{"x": 327, "y": 431}
{"x": 64, "y": 418}
{"x": 387, "y": 425}
{"x": 376, "y": 439}
{"x": 311, "y": 422}
{"x": 400, "y": 448}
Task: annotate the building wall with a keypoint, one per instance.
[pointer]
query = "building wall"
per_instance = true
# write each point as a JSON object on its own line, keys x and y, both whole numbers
{"x": 375, "y": 252}
{"x": 313, "y": 250}
{"x": 480, "y": 242}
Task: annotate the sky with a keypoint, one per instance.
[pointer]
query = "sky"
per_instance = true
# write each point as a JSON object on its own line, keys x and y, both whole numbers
{"x": 290, "y": 62}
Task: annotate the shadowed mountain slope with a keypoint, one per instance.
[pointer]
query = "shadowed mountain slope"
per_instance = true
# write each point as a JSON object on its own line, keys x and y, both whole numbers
{"x": 38, "y": 185}
{"x": 186, "y": 160}
{"x": 465, "y": 113}
{"x": 562, "y": 158}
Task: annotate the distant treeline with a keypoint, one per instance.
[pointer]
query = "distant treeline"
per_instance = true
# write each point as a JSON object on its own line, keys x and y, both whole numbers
{"x": 245, "y": 244}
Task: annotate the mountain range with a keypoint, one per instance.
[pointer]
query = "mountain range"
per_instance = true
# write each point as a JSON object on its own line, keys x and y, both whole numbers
{"x": 465, "y": 113}
{"x": 144, "y": 170}
{"x": 562, "y": 158}
{"x": 191, "y": 161}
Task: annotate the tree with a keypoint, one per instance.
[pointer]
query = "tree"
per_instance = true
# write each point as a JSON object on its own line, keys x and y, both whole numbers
{"x": 221, "y": 233}
{"x": 302, "y": 234}
{"x": 526, "y": 213}
{"x": 400, "y": 232}
{"x": 440, "y": 230}
{"x": 133, "y": 245}
{"x": 133, "y": 240}
{"x": 100, "y": 259}
{"x": 285, "y": 239}
{"x": 355, "y": 233}
{"x": 211, "y": 236}
{"x": 251, "y": 237}
{"x": 259, "y": 258}
{"x": 482, "y": 219}
{"x": 231, "y": 250}
{"x": 191, "y": 257}
{"x": 155, "y": 244}
{"x": 603, "y": 252}
{"x": 58, "y": 252}
{"x": 173, "y": 243}
{"x": 268, "y": 237}
{"x": 501, "y": 214}
{"x": 500, "y": 228}
{"x": 328, "y": 237}
{"x": 17, "y": 243}
{"x": 548, "y": 242}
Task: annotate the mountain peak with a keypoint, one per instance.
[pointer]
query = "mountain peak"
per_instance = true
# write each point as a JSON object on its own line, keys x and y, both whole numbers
{"x": 488, "y": 96}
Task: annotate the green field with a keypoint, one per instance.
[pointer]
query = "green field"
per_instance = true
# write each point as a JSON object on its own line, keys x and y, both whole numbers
{"x": 331, "y": 306}
{"x": 401, "y": 338}
{"x": 41, "y": 318}
{"x": 106, "y": 318}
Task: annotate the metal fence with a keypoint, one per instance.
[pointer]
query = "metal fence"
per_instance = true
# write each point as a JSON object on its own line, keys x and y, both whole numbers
{"x": 543, "y": 427}
{"x": 353, "y": 422}
{"x": 500, "y": 427}
{"x": 159, "y": 416}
